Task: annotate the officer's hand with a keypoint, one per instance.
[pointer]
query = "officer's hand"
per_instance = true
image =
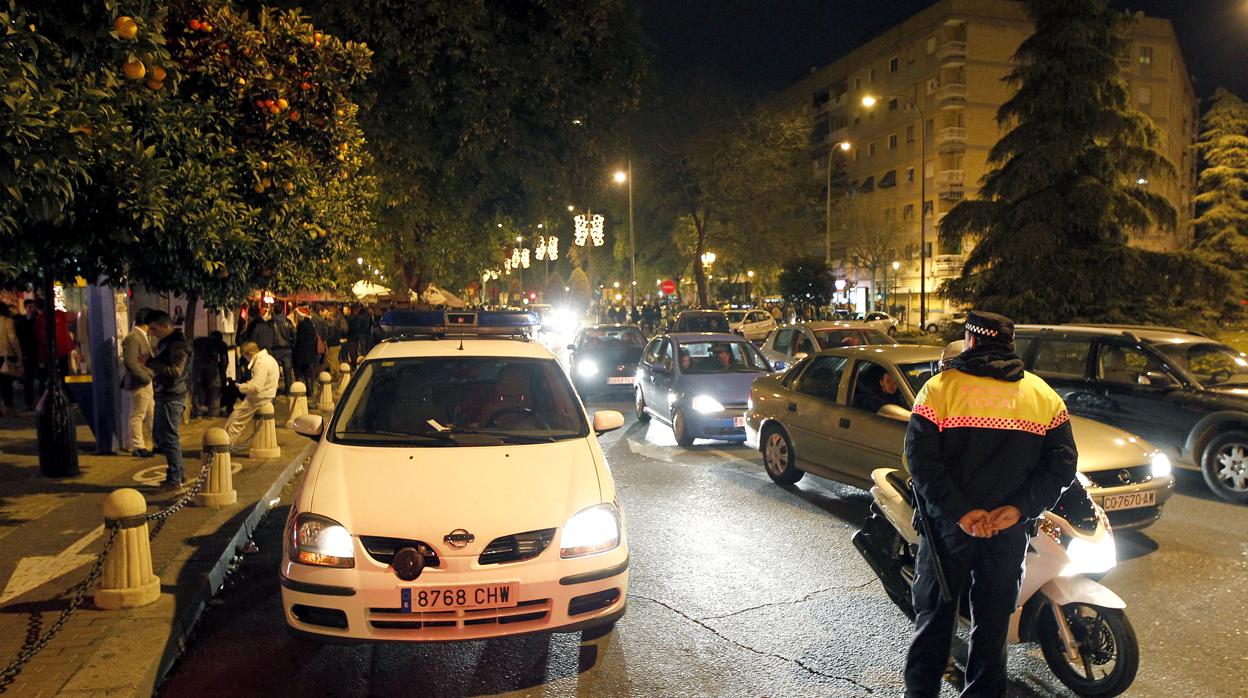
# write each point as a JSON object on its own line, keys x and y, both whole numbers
{"x": 976, "y": 523}
{"x": 1003, "y": 517}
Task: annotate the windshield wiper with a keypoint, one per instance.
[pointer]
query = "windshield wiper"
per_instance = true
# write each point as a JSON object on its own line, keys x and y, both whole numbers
{"x": 523, "y": 438}
{"x": 442, "y": 436}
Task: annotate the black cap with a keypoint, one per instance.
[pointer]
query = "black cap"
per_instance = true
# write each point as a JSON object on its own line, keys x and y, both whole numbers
{"x": 990, "y": 327}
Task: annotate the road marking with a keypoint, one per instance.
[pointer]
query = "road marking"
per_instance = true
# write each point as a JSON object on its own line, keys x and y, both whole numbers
{"x": 34, "y": 572}
{"x": 156, "y": 473}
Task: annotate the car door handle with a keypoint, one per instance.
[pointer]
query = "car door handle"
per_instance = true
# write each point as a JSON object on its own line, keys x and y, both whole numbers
{"x": 844, "y": 422}
{"x": 792, "y": 406}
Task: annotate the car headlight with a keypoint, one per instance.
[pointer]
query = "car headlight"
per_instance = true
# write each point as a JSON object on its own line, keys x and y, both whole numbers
{"x": 1090, "y": 557}
{"x": 1161, "y": 464}
{"x": 587, "y": 369}
{"x": 706, "y": 403}
{"x": 317, "y": 540}
{"x": 591, "y": 531}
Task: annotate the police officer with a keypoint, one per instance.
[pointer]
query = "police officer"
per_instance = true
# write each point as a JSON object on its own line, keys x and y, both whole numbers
{"x": 989, "y": 447}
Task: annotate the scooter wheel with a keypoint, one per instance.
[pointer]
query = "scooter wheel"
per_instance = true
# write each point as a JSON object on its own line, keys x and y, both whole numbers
{"x": 1109, "y": 654}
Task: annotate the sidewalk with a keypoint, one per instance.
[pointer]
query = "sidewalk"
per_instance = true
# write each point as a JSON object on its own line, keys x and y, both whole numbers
{"x": 50, "y": 532}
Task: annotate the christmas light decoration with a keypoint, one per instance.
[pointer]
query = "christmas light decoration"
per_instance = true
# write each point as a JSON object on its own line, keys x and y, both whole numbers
{"x": 539, "y": 250}
{"x": 552, "y": 248}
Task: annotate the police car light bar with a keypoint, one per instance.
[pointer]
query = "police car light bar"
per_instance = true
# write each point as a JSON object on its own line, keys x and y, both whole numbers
{"x": 426, "y": 323}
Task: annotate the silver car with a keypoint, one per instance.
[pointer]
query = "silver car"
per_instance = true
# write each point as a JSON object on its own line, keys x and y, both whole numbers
{"x": 826, "y": 416}
{"x": 789, "y": 344}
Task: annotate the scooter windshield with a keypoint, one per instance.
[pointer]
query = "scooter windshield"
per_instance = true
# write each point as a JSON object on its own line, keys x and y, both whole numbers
{"x": 1076, "y": 507}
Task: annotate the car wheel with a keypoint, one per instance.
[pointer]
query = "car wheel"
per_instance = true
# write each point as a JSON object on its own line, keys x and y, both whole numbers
{"x": 932, "y": 328}
{"x": 778, "y": 457}
{"x": 680, "y": 427}
{"x": 892, "y": 330}
{"x": 1225, "y": 466}
{"x": 639, "y": 403}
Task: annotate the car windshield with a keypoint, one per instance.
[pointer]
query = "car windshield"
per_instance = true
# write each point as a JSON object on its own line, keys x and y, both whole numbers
{"x": 832, "y": 338}
{"x": 720, "y": 357}
{"x": 703, "y": 323}
{"x": 471, "y": 401}
{"x": 1211, "y": 363}
{"x": 736, "y": 315}
{"x": 608, "y": 337}
{"x": 917, "y": 373}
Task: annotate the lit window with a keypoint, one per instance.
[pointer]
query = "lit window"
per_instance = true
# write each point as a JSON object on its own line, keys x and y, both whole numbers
{"x": 1146, "y": 55}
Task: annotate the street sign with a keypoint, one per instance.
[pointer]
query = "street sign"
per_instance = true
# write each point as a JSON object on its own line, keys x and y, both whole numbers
{"x": 668, "y": 286}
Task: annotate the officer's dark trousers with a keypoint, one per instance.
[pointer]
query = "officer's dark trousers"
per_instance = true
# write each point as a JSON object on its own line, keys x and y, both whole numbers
{"x": 993, "y": 569}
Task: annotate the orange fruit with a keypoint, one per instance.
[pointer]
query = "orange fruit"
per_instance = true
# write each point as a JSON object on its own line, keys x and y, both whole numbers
{"x": 206, "y": 27}
{"x": 282, "y": 104}
{"x": 134, "y": 70}
{"x": 126, "y": 27}
{"x": 154, "y": 84}
{"x": 259, "y": 188}
{"x": 289, "y": 186}
{"x": 266, "y": 182}
{"x": 275, "y": 109}
{"x": 195, "y": 24}
{"x": 294, "y": 116}
{"x": 305, "y": 86}
{"x": 158, "y": 73}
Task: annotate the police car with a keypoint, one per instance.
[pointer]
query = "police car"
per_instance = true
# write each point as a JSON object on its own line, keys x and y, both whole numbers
{"x": 458, "y": 492}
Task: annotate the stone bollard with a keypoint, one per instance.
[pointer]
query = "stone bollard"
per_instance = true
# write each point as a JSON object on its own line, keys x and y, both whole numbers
{"x": 345, "y": 369}
{"x": 326, "y": 400}
{"x": 218, "y": 490}
{"x": 298, "y": 403}
{"x": 265, "y": 444}
{"x": 126, "y": 580}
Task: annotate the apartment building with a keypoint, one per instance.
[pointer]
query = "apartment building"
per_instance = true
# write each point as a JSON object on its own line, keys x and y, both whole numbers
{"x": 938, "y": 78}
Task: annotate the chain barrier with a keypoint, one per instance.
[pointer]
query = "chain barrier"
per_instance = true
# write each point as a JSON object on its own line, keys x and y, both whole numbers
{"x": 159, "y": 518}
{"x": 244, "y": 444}
{"x": 10, "y": 672}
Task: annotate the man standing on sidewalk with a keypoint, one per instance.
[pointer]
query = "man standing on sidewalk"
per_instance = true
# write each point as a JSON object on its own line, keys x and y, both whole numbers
{"x": 25, "y": 326}
{"x": 260, "y": 390}
{"x": 136, "y": 349}
{"x": 283, "y": 344}
{"x": 170, "y": 367}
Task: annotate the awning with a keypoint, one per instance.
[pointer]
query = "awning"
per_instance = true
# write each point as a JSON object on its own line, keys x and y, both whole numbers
{"x": 889, "y": 179}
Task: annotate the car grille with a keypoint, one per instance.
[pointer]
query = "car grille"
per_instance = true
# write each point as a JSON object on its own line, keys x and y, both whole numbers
{"x": 382, "y": 549}
{"x": 1122, "y": 476}
{"x": 448, "y": 623}
{"x": 517, "y": 547}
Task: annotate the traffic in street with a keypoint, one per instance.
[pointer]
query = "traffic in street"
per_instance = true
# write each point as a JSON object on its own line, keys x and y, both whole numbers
{"x": 739, "y": 587}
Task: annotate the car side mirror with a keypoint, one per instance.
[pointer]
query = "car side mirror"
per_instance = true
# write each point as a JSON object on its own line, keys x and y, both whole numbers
{"x": 571, "y": 347}
{"x": 800, "y": 355}
{"x": 309, "y": 425}
{"x": 607, "y": 420}
{"x": 1159, "y": 379}
{"x": 896, "y": 412}
{"x": 778, "y": 366}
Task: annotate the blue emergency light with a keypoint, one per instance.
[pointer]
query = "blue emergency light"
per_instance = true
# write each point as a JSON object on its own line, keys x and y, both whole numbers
{"x": 426, "y": 323}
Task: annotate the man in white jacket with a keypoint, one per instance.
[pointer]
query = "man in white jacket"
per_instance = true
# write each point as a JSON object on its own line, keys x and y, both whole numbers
{"x": 259, "y": 390}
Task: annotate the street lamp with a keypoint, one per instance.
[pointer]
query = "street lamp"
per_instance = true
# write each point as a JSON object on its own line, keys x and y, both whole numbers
{"x": 844, "y": 147}
{"x": 622, "y": 177}
{"x": 870, "y": 101}
{"x": 749, "y": 286}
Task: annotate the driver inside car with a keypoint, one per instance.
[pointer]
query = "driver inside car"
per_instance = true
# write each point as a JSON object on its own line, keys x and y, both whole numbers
{"x": 511, "y": 400}
{"x": 877, "y": 388}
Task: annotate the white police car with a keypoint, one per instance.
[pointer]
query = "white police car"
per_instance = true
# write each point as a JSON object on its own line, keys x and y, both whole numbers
{"x": 458, "y": 492}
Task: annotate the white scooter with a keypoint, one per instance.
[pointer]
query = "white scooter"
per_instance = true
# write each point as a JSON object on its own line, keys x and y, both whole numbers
{"x": 1079, "y": 624}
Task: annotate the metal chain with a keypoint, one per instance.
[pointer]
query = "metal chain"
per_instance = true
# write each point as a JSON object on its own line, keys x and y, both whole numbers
{"x": 160, "y": 517}
{"x": 10, "y": 672}
{"x": 245, "y": 444}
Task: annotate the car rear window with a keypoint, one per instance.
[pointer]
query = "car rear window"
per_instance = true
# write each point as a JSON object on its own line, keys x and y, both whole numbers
{"x": 830, "y": 339}
{"x": 1061, "y": 357}
{"x": 703, "y": 323}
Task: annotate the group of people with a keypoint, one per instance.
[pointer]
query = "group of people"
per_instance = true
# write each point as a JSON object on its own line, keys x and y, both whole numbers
{"x": 24, "y": 351}
{"x": 306, "y": 340}
{"x": 156, "y": 367}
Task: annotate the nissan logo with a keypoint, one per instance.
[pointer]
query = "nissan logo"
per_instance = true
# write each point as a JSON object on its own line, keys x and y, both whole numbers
{"x": 459, "y": 538}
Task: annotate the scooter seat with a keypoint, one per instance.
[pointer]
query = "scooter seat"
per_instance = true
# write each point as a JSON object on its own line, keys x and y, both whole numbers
{"x": 902, "y": 484}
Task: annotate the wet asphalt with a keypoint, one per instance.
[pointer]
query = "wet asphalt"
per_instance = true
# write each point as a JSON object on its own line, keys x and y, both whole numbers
{"x": 739, "y": 587}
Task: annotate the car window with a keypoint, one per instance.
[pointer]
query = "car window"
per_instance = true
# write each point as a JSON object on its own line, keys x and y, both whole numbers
{"x": 1021, "y": 344}
{"x": 803, "y": 344}
{"x": 652, "y": 351}
{"x": 784, "y": 339}
{"x": 1117, "y": 363}
{"x": 1062, "y": 357}
{"x": 1211, "y": 363}
{"x": 703, "y": 323}
{"x": 610, "y": 337}
{"x": 794, "y": 371}
{"x": 736, "y": 316}
{"x": 918, "y": 373}
{"x": 873, "y": 386}
{"x": 832, "y": 338}
{"x": 720, "y": 357}
{"x": 823, "y": 378}
{"x": 760, "y": 316}
{"x": 664, "y": 356}
{"x": 428, "y": 401}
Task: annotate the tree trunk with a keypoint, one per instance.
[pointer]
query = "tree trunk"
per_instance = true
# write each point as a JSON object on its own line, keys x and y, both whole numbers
{"x": 188, "y": 329}
{"x": 699, "y": 269}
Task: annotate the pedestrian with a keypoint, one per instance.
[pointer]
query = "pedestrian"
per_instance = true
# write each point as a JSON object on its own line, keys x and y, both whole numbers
{"x": 359, "y": 333}
{"x": 170, "y": 366}
{"x": 10, "y": 360}
{"x": 283, "y": 344}
{"x": 989, "y": 448}
{"x": 307, "y": 350}
{"x": 24, "y": 325}
{"x": 64, "y": 341}
{"x": 259, "y": 329}
{"x": 334, "y": 335}
{"x": 260, "y": 390}
{"x": 136, "y": 379}
{"x": 211, "y": 355}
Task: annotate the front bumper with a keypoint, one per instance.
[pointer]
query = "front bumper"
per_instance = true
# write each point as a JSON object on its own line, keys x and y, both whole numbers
{"x": 362, "y": 604}
{"x": 622, "y": 381}
{"x": 1135, "y": 517}
{"x": 721, "y": 426}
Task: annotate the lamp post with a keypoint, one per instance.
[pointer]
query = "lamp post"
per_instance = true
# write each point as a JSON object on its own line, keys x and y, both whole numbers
{"x": 870, "y": 101}
{"x": 844, "y": 147}
{"x": 708, "y": 258}
{"x": 887, "y": 296}
{"x": 622, "y": 177}
{"x": 749, "y": 287}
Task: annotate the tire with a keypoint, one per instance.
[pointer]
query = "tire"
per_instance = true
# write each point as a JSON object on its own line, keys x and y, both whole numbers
{"x": 932, "y": 328}
{"x": 1224, "y": 466}
{"x": 778, "y": 458}
{"x": 892, "y": 330}
{"x": 639, "y": 404}
{"x": 681, "y": 429}
{"x": 1115, "y": 641}
{"x": 598, "y": 631}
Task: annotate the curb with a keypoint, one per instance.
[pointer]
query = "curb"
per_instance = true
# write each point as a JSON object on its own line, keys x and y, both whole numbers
{"x": 185, "y": 623}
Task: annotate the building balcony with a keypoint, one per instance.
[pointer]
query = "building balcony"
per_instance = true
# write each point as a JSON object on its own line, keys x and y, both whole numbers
{"x": 952, "y": 95}
{"x": 951, "y": 139}
{"x": 950, "y": 184}
{"x": 952, "y": 53}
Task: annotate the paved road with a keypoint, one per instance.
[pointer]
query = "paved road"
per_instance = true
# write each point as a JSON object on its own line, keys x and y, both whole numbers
{"x": 741, "y": 588}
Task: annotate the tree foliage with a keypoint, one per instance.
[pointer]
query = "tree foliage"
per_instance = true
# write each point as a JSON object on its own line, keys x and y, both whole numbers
{"x": 1222, "y": 198}
{"x": 869, "y": 241}
{"x": 807, "y": 281}
{"x": 1052, "y": 219}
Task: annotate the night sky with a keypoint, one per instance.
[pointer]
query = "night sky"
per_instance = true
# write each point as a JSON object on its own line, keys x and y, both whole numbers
{"x": 762, "y": 46}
